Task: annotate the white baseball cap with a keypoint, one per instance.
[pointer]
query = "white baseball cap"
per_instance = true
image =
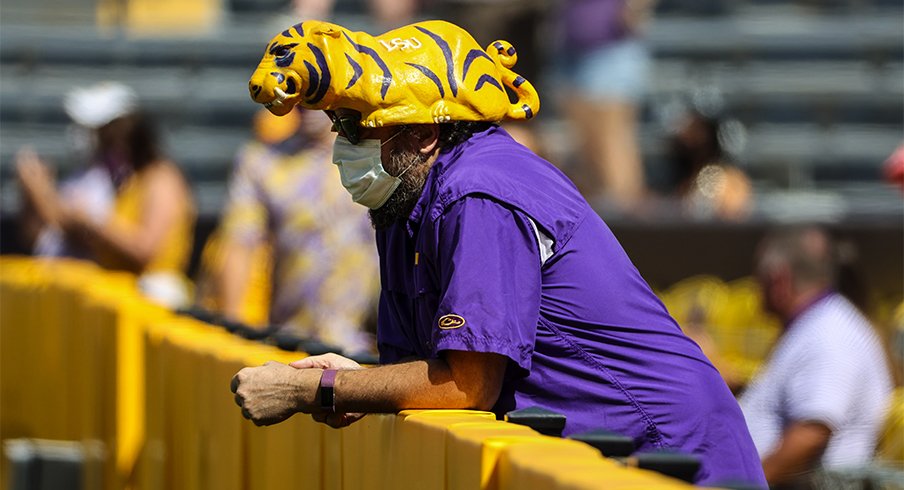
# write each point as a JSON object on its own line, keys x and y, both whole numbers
{"x": 97, "y": 105}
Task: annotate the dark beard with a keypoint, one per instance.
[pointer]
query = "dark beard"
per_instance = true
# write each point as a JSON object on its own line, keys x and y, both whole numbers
{"x": 400, "y": 204}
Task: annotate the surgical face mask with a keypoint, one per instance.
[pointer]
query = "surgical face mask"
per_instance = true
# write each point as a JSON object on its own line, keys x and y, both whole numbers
{"x": 362, "y": 172}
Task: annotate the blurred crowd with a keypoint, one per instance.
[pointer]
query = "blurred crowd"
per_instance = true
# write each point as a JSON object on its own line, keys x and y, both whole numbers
{"x": 292, "y": 253}
{"x": 288, "y": 239}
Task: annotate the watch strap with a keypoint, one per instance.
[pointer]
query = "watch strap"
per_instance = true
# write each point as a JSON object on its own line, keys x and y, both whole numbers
{"x": 327, "y": 391}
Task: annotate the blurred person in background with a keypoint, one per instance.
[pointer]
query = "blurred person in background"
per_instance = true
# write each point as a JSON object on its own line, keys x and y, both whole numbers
{"x": 142, "y": 218}
{"x": 390, "y": 14}
{"x": 606, "y": 67}
{"x": 501, "y": 287}
{"x": 706, "y": 181}
{"x": 819, "y": 400}
{"x": 382, "y": 15}
{"x": 521, "y": 22}
{"x": 301, "y": 10}
{"x": 285, "y": 195}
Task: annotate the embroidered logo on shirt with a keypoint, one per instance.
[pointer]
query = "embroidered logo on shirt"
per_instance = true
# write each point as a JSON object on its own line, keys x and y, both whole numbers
{"x": 449, "y": 322}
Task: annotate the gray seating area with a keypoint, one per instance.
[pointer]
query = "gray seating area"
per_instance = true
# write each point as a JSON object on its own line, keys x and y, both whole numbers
{"x": 817, "y": 85}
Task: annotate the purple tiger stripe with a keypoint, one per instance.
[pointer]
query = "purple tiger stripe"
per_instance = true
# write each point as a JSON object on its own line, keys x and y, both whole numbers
{"x": 313, "y": 79}
{"x": 387, "y": 75}
{"x": 324, "y": 74}
{"x": 358, "y": 71}
{"x": 487, "y": 79}
{"x": 432, "y": 76}
{"x": 447, "y": 54}
{"x": 470, "y": 57}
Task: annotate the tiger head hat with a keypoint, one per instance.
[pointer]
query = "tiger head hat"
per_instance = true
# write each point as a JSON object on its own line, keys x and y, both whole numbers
{"x": 427, "y": 72}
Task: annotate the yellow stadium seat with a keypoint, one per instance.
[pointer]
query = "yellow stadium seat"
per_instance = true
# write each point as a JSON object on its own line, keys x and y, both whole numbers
{"x": 255, "y": 302}
{"x": 367, "y": 445}
{"x": 469, "y": 463}
{"x": 531, "y": 462}
{"x": 420, "y": 460}
{"x": 890, "y": 449}
{"x": 158, "y": 17}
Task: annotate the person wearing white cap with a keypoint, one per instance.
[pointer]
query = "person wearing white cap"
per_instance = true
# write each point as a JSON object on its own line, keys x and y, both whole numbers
{"x": 130, "y": 209}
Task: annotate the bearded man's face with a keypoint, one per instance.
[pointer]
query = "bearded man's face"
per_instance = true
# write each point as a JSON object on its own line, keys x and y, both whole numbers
{"x": 403, "y": 159}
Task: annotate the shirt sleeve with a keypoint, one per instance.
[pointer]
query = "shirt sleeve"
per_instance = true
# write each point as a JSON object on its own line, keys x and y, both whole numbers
{"x": 245, "y": 213}
{"x": 488, "y": 266}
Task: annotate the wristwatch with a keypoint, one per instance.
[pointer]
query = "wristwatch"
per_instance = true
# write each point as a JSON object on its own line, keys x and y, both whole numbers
{"x": 327, "y": 396}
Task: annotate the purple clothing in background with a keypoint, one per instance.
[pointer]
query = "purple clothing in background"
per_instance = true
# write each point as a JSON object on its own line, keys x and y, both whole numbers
{"x": 585, "y": 334}
{"x": 588, "y": 24}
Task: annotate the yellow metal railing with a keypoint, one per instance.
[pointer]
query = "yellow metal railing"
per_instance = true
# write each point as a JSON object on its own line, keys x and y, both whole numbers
{"x": 84, "y": 358}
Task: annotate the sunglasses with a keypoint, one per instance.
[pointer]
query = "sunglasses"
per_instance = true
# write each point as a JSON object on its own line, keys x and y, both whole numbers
{"x": 347, "y": 125}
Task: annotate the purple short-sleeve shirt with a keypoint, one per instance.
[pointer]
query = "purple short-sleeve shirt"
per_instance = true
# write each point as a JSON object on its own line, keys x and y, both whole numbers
{"x": 502, "y": 255}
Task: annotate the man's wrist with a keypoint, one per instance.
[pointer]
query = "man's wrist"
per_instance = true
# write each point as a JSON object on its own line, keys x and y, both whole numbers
{"x": 326, "y": 393}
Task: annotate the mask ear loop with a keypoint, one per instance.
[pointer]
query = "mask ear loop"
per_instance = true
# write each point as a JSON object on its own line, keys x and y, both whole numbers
{"x": 393, "y": 136}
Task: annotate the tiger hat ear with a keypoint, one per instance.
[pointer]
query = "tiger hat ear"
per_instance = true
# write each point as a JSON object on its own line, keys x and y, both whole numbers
{"x": 327, "y": 31}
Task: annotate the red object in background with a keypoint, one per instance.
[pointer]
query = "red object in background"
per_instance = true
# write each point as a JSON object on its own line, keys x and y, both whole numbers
{"x": 894, "y": 168}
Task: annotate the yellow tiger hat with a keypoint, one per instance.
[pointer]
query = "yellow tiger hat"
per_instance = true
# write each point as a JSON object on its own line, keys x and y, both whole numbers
{"x": 428, "y": 72}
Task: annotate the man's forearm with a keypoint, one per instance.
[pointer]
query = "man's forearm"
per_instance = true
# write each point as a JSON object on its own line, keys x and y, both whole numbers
{"x": 415, "y": 384}
{"x": 233, "y": 277}
{"x": 271, "y": 393}
{"x": 801, "y": 447}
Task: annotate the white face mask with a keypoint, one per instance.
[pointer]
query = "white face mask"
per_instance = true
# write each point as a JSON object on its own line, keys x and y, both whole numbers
{"x": 362, "y": 172}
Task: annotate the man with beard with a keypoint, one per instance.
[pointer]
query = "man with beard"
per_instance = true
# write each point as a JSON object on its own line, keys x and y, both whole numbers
{"x": 502, "y": 289}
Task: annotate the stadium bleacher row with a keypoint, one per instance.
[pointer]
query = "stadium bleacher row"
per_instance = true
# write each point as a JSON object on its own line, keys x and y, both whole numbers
{"x": 148, "y": 391}
{"x": 145, "y": 404}
{"x": 816, "y": 85}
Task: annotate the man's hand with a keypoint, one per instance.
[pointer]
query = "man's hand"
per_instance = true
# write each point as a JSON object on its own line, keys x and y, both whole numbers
{"x": 38, "y": 186}
{"x": 274, "y": 392}
{"x": 330, "y": 361}
{"x": 34, "y": 174}
{"x": 325, "y": 361}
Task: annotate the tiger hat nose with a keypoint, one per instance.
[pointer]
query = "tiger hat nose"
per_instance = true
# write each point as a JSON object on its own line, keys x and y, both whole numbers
{"x": 255, "y": 90}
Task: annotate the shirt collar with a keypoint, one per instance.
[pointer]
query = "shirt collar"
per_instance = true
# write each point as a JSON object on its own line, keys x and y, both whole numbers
{"x": 816, "y": 299}
{"x": 435, "y": 174}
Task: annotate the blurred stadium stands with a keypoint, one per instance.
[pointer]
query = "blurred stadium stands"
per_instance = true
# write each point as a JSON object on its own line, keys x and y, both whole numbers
{"x": 817, "y": 85}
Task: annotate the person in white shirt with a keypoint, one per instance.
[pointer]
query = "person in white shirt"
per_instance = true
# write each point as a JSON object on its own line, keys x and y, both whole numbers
{"x": 819, "y": 401}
